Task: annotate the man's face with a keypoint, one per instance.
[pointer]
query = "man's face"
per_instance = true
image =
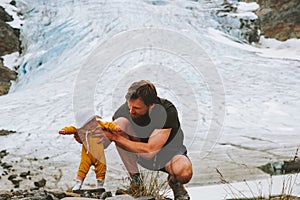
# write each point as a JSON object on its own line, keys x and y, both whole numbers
{"x": 137, "y": 108}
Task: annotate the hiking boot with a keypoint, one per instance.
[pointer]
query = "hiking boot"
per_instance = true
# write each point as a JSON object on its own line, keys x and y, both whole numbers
{"x": 179, "y": 191}
{"x": 136, "y": 186}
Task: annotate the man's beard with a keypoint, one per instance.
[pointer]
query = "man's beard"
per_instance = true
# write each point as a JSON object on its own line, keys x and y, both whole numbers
{"x": 141, "y": 120}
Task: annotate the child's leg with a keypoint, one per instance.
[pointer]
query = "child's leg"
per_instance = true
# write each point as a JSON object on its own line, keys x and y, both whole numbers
{"x": 84, "y": 167}
{"x": 85, "y": 163}
{"x": 98, "y": 160}
{"x": 100, "y": 171}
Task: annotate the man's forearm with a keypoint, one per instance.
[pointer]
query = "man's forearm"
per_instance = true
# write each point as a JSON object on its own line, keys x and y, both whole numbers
{"x": 135, "y": 147}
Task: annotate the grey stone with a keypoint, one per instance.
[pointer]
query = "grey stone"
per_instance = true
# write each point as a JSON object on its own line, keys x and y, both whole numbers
{"x": 146, "y": 198}
{"x": 121, "y": 197}
{"x": 40, "y": 183}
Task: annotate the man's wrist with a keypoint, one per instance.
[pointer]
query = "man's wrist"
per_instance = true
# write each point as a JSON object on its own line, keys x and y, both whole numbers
{"x": 115, "y": 137}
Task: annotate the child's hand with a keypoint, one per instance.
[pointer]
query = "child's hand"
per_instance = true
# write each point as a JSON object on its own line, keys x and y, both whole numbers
{"x": 62, "y": 132}
{"x": 71, "y": 130}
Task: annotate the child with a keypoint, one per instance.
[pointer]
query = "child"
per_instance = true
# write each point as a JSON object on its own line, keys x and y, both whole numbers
{"x": 92, "y": 153}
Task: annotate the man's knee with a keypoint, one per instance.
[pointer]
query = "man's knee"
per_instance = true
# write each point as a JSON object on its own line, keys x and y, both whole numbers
{"x": 180, "y": 167}
{"x": 185, "y": 176}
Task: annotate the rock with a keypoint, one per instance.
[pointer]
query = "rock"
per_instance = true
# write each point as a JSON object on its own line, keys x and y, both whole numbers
{"x": 9, "y": 43}
{"x": 243, "y": 27}
{"x": 4, "y": 194}
{"x": 13, "y": 176}
{"x": 4, "y": 165}
{"x": 146, "y": 198}
{"x": 16, "y": 182}
{"x": 5, "y": 132}
{"x": 9, "y": 39}
{"x": 4, "y": 16}
{"x": 4, "y": 87}
{"x": 90, "y": 193}
{"x": 279, "y": 19}
{"x": 40, "y": 183}
{"x": 72, "y": 194}
{"x": 281, "y": 167}
{"x": 24, "y": 174}
{"x": 59, "y": 195}
{"x": 3, "y": 153}
{"x": 33, "y": 195}
{"x": 291, "y": 166}
{"x": 13, "y": 2}
{"x": 105, "y": 195}
{"x": 6, "y": 74}
{"x": 121, "y": 197}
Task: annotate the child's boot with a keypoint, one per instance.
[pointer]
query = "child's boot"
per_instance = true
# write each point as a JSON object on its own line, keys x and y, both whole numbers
{"x": 77, "y": 185}
{"x": 100, "y": 183}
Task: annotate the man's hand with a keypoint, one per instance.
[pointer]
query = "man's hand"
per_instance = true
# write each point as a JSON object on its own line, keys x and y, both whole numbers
{"x": 102, "y": 137}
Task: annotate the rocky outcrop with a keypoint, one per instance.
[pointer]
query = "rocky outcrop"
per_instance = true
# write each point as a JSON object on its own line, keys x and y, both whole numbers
{"x": 6, "y": 76}
{"x": 9, "y": 38}
{"x": 4, "y": 16}
{"x": 241, "y": 24}
{"x": 279, "y": 19}
{"x": 9, "y": 43}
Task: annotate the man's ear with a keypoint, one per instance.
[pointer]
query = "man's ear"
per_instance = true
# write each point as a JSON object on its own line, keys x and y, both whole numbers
{"x": 151, "y": 106}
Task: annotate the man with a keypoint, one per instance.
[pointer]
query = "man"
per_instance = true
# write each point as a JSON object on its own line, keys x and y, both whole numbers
{"x": 152, "y": 137}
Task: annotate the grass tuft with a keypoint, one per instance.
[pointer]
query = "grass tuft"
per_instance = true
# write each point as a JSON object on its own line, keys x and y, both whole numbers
{"x": 286, "y": 190}
{"x": 153, "y": 186}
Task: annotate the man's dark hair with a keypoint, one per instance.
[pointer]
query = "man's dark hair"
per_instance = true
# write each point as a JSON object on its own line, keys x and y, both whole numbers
{"x": 144, "y": 90}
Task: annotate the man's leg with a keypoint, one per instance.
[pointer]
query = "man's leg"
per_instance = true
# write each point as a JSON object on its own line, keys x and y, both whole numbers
{"x": 180, "y": 172}
{"x": 129, "y": 159}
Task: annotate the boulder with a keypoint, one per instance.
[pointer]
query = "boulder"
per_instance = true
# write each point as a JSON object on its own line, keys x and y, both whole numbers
{"x": 9, "y": 39}
{"x": 6, "y": 75}
{"x": 279, "y": 19}
{"x": 9, "y": 43}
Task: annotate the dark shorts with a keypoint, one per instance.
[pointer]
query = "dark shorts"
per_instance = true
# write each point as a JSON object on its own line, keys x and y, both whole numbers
{"x": 158, "y": 162}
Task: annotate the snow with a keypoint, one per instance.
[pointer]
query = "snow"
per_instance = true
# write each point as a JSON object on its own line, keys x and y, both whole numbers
{"x": 260, "y": 84}
{"x": 246, "y": 7}
{"x": 259, "y": 188}
{"x": 267, "y": 47}
{"x": 272, "y": 48}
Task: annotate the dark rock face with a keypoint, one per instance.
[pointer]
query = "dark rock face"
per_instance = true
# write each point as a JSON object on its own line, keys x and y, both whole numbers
{"x": 279, "y": 19}
{"x": 9, "y": 43}
{"x": 6, "y": 75}
{"x": 4, "y": 16}
{"x": 9, "y": 39}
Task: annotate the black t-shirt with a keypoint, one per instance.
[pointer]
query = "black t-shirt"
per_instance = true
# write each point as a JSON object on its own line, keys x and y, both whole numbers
{"x": 163, "y": 115}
